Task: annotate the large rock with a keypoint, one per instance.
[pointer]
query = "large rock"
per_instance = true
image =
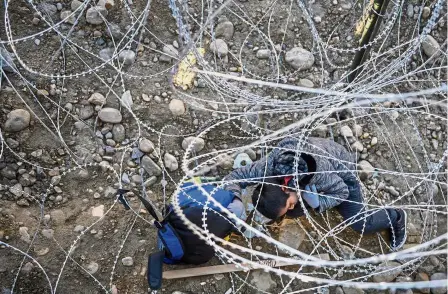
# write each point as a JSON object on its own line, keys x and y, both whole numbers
{"x": 198, "y": 143}
{"x": 170, "y": 53}
{"x": 47, "y": 8}
{"x": 177, "y": 107}
{"x": 86, "y": 112}
{"x": 219, "y": 47}
{"x": 127, "y": 261}
{"x": 110, "y": 115}
{"x": 291, "y": 234}
{"x": 145, "y": 145}
{"x": 150, "y": 166}
{"x": 94, "y": 15}
{"x": 106, "y": 53}
{"x": 114, "y": 31}
{"x": 24, "y": 235}
{"x": 299, "y": 58}
{"x": 16, "y": 190}
{"x": 92, "y": 267}
{"x": 262, "y": 280}
{"x": 127, "y": 57}
{"x": 357, "y": 146}
{"x": 366, "y": 170}
{"x": 97, "y": 99}
{"x": 75, "y": 4}
{"x": 263, "y": 54}
{"x": 389, "y": 271}
{"x": 17, "y": 120}
{"x": 7, "y": 59}
{"x": 170, "y": 162}
{"x": 68, "y": 17}
{"x": 439, "y": 276}
{"x": 430, "y": 46}
{"x": 118, "y": 133}
{"x": 346, "y": 132}
{"x": 350, "y": 290}
{"x": 423, "y": 277}
{"x": 225, "y": 30}
{"x": 126, "y": 99}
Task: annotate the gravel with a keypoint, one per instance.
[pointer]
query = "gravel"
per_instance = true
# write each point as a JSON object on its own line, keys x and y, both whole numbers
{"x": 86, "y": 112}
{"x": 299, "y": 58}
{"x": 110, "y": 115}
{"x": 357, "y": 146}
{"x": 150, "y": 166}
{"x": 127, "y": 261}
{"x": 346, "y": 132}
{"x": 306, "y": 83}
{"x": 118, "y": 132}
{"x": 78, "y": 229}
{"x": 127, "y": 57}
{"x": 17, "y": 120}
{"x": 170, "y": 162}
{"x": 263, "y": 54}
{"x": 146, "y": 146}
{"x": 170, "y": 53}
{"x": 439, "y": 276}
{"x": 97, "y": 99}
{"x": 75, "y": 5}
{"x": 24, "y": 235}
{"x": 430, "y": 46}
{"x": 177, "y": 107}
{"x": 198, "y": 143}
{"x": 126, "y": 99}
{"x": 68, "y": 17}
{"x": 16, "y": 190}
{"x": 219, "y": 47}
{"x": 391, "y": 271}
{"x": 94, "y": 15}
{"x": 92, "y": 267}
{"x": 366, "y": 170}
{"x": 224, "y": 29}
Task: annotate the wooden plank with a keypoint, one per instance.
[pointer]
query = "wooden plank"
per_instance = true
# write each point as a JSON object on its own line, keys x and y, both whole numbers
{"x": 228, "y": 268}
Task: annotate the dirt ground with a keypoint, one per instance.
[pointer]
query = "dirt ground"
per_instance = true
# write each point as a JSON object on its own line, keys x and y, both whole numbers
{"x": 61, "y": 227}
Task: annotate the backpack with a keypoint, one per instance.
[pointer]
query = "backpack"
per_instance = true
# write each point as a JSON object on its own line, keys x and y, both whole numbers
{"x": 176, "y": 242}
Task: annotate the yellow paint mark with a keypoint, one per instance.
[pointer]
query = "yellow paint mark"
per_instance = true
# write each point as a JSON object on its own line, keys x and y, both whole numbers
{"x": 361, "y": 25}
{"x": 184, "y": 76}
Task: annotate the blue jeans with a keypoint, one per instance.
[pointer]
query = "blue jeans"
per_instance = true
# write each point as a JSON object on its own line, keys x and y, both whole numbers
{"x": 367, "y": 222}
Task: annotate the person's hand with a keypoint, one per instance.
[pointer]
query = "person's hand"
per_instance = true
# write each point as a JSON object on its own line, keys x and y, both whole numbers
{"x": 311, "y": 196}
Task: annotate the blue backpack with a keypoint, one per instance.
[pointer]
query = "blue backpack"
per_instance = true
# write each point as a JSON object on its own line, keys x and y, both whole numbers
{"x": 176, "y": 242}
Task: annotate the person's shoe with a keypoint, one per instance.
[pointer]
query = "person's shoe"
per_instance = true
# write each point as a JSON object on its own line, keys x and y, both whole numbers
{"x": 398, "y": 233}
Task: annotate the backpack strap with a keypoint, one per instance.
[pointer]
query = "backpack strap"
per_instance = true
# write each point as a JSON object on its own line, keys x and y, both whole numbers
{"x": 123, "y": 200}
{"x": 155, "y": 269}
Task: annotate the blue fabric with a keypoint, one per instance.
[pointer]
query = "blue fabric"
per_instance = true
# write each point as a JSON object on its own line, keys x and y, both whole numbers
{"x": 190, "y": 196}
{"x": 222, "y": 196}
{"x": 366, "y": 221}
{"x": 376, "y": 222}
{"x": 169, "y": 240}
{"x": 311, "y": 196}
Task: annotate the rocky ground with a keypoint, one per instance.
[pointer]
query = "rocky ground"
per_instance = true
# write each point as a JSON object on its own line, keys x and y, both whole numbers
{"x": 68, "y": 145}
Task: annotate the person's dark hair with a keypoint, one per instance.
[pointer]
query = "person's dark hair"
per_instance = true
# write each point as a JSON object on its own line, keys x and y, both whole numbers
{"x": 269, "y": 198}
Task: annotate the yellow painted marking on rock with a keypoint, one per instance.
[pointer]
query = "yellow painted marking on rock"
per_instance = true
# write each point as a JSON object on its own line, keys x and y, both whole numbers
{"x": 184, "y": 76}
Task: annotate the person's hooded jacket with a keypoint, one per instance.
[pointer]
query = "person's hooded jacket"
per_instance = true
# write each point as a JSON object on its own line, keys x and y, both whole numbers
{"x": 322, "y": 162}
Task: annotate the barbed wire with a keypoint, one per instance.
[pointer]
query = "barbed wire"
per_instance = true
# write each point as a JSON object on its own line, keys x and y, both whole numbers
{"x": 246, "y": 93}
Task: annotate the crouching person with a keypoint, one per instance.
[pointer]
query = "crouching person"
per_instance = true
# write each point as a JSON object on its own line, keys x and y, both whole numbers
{"x": 177, "y": 242}
{"x": 192, "y": 200}
{"x": 325, "y": 173}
